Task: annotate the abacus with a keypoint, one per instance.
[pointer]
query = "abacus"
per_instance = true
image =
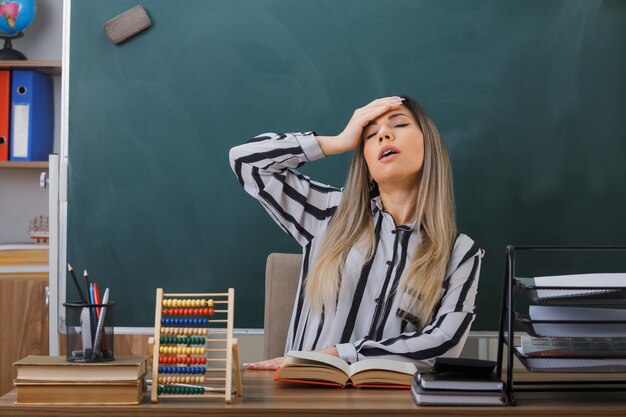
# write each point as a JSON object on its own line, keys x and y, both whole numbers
{"x": 186, "y": 361}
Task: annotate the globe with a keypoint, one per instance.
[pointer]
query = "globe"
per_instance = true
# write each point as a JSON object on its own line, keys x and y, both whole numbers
{"x": 16, "y": 15}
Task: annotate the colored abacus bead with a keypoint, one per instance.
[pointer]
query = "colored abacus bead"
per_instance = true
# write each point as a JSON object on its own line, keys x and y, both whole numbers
{"x": 211, "y": 311}
{"x": 210, "y": 303}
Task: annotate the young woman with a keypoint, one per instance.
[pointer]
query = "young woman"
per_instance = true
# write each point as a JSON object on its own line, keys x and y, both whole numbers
{"x": 384, "y": 273}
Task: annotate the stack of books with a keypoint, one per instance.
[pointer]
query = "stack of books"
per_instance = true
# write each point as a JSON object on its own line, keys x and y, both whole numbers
{"x": 54, "y": 380}
{"x": 455, "y": 381}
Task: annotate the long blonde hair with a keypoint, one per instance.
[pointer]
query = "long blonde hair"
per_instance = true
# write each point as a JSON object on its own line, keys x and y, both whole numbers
{"x": 352, "y": 225}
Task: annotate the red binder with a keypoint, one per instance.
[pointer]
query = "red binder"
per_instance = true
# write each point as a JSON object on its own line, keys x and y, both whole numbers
{"x": 5, "y": 105}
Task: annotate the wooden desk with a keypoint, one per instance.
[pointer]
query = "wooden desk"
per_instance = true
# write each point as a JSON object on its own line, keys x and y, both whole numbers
{"x": 264, "y": 397}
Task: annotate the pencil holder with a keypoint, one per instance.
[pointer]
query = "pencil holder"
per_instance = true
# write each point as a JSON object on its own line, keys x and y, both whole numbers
{"x": 90, "y": 335}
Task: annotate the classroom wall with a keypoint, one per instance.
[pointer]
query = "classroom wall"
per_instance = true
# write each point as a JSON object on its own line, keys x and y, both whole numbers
{"x": 21, "y": 199}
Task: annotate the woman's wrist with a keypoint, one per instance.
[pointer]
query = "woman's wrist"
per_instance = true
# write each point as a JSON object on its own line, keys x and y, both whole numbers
{"x": 329, "y": 351}
{"x": 331, "y": 145}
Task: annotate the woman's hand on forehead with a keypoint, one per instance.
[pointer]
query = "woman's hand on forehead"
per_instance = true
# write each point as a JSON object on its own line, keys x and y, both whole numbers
{"x": 352, "y": 134}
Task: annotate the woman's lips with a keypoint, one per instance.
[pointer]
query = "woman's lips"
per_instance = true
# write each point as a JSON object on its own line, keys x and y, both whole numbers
{"x": 388, "y": 158}
{"x": 387, "y": 148}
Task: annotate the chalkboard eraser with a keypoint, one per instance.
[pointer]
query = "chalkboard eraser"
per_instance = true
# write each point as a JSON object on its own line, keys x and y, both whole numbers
{"x": 127, "y": 25}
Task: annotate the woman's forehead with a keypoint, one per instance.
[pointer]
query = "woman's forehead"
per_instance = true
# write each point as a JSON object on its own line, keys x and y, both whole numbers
{"x": 391, "y": 114}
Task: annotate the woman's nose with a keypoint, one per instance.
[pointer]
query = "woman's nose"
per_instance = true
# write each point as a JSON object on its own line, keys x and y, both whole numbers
{"x": 384, "y": 134}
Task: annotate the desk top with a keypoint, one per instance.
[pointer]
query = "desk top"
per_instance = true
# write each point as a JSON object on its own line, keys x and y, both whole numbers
{"x": 264, "y": 397}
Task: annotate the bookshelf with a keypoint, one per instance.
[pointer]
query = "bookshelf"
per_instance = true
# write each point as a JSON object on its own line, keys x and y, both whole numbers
{"x": 20, "y": 179}
{"x": 24, "y": 165}
{"x": 24, "y": 295}
{"x": 46, "y": 67}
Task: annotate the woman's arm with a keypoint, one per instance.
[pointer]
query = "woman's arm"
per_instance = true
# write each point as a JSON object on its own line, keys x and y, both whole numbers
{"x": 446, "y": 333}
{"x": 265, "y": 167}
{"x": 273, "y": 364}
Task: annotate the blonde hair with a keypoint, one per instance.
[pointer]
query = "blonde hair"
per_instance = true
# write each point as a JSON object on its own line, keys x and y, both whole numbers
{"x": 352, "y": 225}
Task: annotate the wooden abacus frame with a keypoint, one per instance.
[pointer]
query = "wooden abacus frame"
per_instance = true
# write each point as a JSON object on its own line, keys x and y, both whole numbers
{"x": 231, "y": 353}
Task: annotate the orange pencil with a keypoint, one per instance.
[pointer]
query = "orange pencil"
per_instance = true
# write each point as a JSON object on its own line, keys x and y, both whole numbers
{"x": 96, "y": 298}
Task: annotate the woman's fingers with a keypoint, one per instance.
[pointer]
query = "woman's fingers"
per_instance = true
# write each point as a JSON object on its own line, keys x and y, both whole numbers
{"x": 271, "y": 364}
{"x": 351, "y": 136}
{"x": 369, "y": 114}
{"x": 383, "y": 102}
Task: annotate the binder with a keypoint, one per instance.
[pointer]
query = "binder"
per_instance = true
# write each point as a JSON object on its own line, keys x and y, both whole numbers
{"x": 32, "y": 117}
{"x": 5, "y": 107}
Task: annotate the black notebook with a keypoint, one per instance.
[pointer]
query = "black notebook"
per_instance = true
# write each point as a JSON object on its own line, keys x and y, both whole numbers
{"x": 460, "y": 374}
{"x": 475, "y": 367}
{"x": 456, "y": 381}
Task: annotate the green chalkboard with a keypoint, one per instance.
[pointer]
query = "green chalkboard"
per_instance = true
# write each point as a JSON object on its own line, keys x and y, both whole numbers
{"x": 529, "y": 96}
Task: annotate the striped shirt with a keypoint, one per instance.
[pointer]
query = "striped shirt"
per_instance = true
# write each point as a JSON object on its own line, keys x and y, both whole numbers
{"x": 369, "y": 320}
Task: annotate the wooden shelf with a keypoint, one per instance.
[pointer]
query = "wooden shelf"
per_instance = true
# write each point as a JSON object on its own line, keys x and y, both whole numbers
{"x": 46, "y": 67}
{"x": 24, "y": 164}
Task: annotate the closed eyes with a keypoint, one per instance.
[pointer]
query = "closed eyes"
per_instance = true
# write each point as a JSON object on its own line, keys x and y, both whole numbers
{"x": 374, "y": 134}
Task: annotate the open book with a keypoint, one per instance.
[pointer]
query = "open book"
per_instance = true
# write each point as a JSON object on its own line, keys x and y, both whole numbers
{"x": 324, "y": 369}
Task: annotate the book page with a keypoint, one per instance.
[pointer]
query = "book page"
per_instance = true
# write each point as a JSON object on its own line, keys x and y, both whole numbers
{"x": 324, "y": 358}
{"x": 382, "y": 364}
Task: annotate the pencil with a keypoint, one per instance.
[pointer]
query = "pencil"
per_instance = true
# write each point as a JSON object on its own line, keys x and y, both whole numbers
{"x": 87, "y": 284}
{"x": 96, "y": 298}
{"x": 100, "y": 326}
{"x": 92, "y": 310}
{"x": 76, "y": 284}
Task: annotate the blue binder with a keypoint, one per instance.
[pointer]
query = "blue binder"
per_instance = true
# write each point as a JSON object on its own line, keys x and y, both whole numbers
{"x": 32, "y": 116}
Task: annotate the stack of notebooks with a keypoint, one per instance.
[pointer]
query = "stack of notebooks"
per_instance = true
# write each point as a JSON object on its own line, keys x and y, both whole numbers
{"x": 457, "y": 381}
{"x": 54, "y": 380}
